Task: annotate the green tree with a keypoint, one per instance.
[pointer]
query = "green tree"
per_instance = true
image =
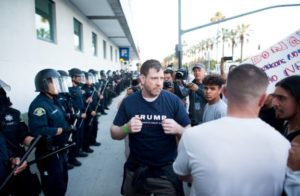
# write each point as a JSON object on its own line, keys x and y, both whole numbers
{"x": 243, "y": 33}
{"x": 217, "y": 17}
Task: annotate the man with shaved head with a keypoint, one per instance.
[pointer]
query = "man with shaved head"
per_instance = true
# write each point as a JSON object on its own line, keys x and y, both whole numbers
{"x": 238, "y": 154}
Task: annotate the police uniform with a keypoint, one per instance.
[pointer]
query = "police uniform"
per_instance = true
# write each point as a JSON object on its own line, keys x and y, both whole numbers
{"x": 45, "y": 117}
{"x": 15, "y": 132}
{"x": 91, "y": 123}
{"x": 4, "y": 164}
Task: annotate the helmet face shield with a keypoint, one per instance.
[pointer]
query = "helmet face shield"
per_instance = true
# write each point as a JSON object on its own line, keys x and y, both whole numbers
{"x": 82, "y": 79}
{"x": 65, "y": 83}
{"x": 53, "y": 85}
{"x": 5, "y": 86}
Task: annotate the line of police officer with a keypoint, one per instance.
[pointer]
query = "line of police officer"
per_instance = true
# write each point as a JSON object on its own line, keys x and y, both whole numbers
{"x": 66, "y": 110}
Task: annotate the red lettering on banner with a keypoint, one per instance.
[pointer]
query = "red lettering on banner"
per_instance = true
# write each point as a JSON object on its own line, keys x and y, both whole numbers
{"x": 265, "y": 54}
{"x": 273, "y": 78}
{"x": 256, "y": 59}
{"x": 294, "y": 41}
{"x": 279, "y": 47}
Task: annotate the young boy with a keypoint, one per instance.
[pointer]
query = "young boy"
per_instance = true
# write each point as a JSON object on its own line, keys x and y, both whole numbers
{"x": 215, "y": 107}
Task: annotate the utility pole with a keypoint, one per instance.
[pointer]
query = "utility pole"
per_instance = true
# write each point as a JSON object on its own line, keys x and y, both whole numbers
{"x": 178, "y": 47}
{"x": 181, "y": 32}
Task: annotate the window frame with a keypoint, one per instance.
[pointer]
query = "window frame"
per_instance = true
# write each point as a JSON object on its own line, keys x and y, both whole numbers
{"x": 104, "y": 49}
{"x": 94, "y": 44}
{"x": 80, "y": 34}
{"x": 50, "y": 18}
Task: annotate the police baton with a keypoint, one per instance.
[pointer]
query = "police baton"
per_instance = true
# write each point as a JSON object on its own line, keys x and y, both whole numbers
{"x": 73, "y": 126}
{"x": 50, "y": 154}
{"x": 98, "y": 104}
{"x": 86, "y": 109}
{"x": 23, "y": 159}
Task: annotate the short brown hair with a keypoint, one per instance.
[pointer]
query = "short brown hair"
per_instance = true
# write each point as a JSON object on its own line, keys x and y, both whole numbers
{"x": 152, "y": 63}
{"x": 246, "y": 83}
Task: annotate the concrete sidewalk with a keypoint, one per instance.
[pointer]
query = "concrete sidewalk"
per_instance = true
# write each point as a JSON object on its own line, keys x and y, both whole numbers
{"x": 101, "y": 173}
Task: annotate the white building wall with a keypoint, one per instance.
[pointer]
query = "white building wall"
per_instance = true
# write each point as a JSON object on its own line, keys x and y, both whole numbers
{"x": 22, "y": 55}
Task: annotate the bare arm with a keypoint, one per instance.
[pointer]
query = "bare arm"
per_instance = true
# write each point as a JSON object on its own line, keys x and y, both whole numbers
{"x": 133, "y": 126}
{"x": 117, "y": 132}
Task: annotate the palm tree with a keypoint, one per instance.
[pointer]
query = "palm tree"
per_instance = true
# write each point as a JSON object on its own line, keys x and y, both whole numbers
{"x": 233, "y": 38}
{"x": 217, "y": 17}
{"x": 225, "y": 33}
{"x": 243, "y": 33}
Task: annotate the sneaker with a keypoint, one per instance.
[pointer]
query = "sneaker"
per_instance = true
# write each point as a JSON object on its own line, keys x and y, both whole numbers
{"x": 103, "y": 113}
{"x": 88, "y": 150}
{"x": 81, "y": 154}
{"x": 96, "y": 144}
{"x": 70, "y": 166}
{"x": 75, "y": 162}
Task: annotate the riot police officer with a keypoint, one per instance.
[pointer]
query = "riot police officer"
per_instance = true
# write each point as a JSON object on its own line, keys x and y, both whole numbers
{"x": 77, "y": 77}
{"x": 16, "y": 135}
{"x": 46, "y": 118}
{"x": 91, "y": 121}
{"x": 65, "y": 101}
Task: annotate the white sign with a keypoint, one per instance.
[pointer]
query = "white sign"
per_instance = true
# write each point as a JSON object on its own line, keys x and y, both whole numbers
{"x": 280, "y": 60}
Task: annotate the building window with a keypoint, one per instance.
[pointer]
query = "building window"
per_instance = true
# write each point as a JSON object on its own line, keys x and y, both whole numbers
{"x": 111, "y": 53}
{"x": 104, "y": 49}
{"x": 94, "y": 44}
{"x": 77, "y": 34}
{"x": 116, "y": 55}
{"x": 44, "y": 19}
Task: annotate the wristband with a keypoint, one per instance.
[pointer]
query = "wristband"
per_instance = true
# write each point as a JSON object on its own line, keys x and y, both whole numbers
{"x": 125, "y": 129}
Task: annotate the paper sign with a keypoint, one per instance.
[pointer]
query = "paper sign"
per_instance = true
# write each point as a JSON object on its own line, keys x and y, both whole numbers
{"x": 280, "y": 60}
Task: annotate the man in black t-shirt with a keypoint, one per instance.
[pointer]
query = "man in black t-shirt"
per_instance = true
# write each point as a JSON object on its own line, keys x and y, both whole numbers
{"x": 153, "y": 118}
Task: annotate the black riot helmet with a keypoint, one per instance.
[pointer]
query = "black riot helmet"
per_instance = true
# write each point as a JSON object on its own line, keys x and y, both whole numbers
{"x": 4, "y": 99}
{"x": 75, "y": 72}
{"x": 95, "y": 74}
{"x": 46, "y": 77}
{"x": 65, "y": 81}
{"x": 89, "y": 78}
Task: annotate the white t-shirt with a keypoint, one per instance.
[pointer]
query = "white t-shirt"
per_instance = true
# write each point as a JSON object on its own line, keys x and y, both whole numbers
{"x": 214, "y": 111}
{"x": 233, "y": 157}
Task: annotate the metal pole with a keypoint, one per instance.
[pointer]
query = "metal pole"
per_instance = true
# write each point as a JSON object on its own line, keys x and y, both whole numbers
{"x": 179, "y": 46}
{"x": 237, "y": 16}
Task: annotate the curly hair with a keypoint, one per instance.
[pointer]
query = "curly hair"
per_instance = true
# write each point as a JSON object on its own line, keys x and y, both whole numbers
{"x": 213, "y": 79}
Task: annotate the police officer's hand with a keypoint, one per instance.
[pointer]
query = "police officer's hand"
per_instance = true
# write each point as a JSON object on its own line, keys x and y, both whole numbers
{"x": 93, "y": 113}
{"x": 294, "y": 157}
{"x": 89, "y": 100}
{"x": 193, "y": 87}
{"x": 83, "y": 115}
{"x": 135, "y": 125}
{"x": 170, "y": 126}
{"x": 15, "y": 162}
{"x": 59, "y": 131}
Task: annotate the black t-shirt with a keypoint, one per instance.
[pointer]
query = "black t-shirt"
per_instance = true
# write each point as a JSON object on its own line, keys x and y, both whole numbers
{"x": 152, "y": 146}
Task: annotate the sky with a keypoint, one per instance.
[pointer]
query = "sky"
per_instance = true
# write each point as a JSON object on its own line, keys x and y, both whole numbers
{"x": 156, "y": 23}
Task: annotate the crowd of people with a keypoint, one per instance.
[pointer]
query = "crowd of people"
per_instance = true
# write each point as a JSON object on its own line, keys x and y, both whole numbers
{"x": 221, "y": 136}
{"x": 222, "y": 141}
{"x": 62, "y": 125}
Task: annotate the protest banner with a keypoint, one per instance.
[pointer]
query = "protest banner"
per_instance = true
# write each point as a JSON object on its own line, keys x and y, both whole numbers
{"x": 280, "y": 60}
